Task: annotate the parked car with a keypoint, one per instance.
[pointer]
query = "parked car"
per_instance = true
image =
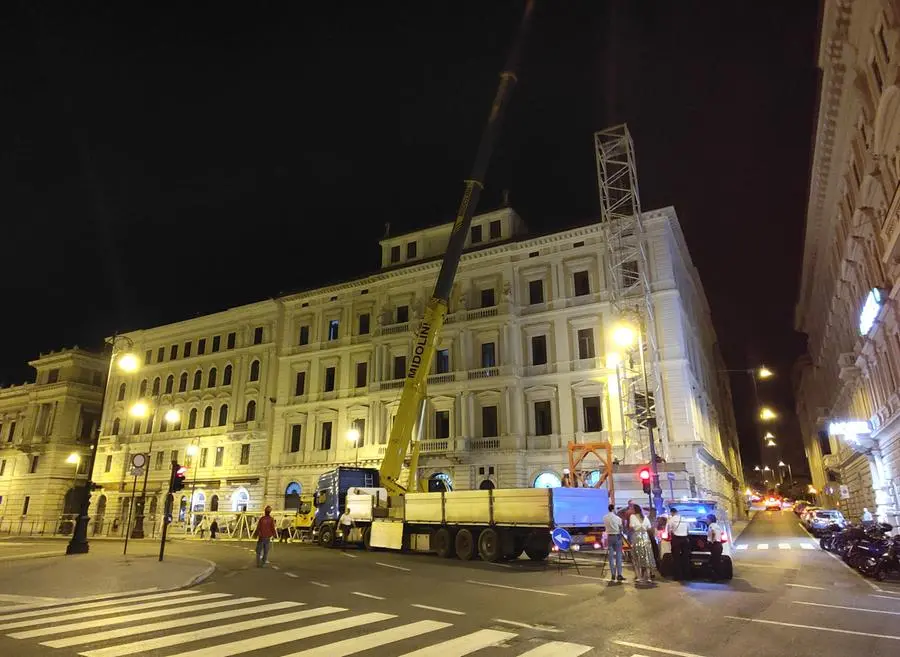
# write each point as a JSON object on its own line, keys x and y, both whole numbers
{"x": 805, "y": 514}
{"x": 800, "y": 506}
{"x": 696, "y": 512}
{"x": 820, "y": 520}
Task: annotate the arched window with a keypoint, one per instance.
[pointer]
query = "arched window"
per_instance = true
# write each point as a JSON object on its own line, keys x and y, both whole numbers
{"x": 182, "y": 382}
{"x": 211, "y": 378}
{"x": 292, "y": 496}
{"x": 487, "y": 484}
{"x": 198, "y": 379}
{"x": 223, "y": 415}
{"x": 254, "y": 371}
{"x": 547, "y": 480}
{"x": 240, "y": 500}
{"x": 142, "y": 392}
{"x": 182, "y": 507}
{"x": 192, "y": 419}
{"x": 214, "y": 503}
{"x": 154, "y": 503}
{"x": 156, "y": 386}
{"x": 439, "y": 481}
{"x": 122, "y": 392}
{"x": 226, "y": 376}
{"x": 150, "y": 421}
{"x": 115, "y": 427}
{"x": 170, "y": 384}
{"x": 251, "y": 411}
{"x": 207, "y": 416}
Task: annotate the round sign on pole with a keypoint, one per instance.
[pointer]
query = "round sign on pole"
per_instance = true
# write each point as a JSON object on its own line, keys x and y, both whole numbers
{"x": 561, "y": 538}
{"x": 139, "y": 460}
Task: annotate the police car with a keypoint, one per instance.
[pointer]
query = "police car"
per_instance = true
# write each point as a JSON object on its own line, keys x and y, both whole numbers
{"x": 696, "y": 512}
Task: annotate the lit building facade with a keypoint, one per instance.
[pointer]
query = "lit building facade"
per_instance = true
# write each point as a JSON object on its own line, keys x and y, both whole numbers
{"x": 851, "y": 265}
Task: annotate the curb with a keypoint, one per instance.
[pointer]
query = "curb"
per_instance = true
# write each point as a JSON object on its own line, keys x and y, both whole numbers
{"x": 33, "y": 555}
{"x": 198, "y": 579}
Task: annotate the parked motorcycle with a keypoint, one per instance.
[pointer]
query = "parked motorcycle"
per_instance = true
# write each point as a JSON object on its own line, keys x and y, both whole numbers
{"x": 829, "y": 536}
{"x": 888, "y": 561}
{"x": 871, "y": 545}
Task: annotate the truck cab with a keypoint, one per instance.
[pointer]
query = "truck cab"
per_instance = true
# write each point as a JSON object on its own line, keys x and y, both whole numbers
{"x": 331, "y": 500}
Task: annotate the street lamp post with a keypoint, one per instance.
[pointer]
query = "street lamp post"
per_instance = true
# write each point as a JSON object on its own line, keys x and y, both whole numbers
{"x": 74, "y": 459}
{"x": 192, "y": 451}
{"x": 782, "y": 464}
{"x": 172, "y": 416}
{"x": 127, "y": 362}
{"x": 353, "y": 436}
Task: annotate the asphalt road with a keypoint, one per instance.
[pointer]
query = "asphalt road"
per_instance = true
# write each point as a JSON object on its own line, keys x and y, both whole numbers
{"x": 785, "y": 600}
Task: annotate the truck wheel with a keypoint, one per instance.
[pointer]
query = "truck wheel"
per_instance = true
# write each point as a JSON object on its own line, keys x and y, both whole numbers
{"x": 537, "y": 547}
{"x": 489, "y": 546}
{"x": 465, "y": 545}
{"x": 326, "y": 536}
{"x": 443, "y": 543}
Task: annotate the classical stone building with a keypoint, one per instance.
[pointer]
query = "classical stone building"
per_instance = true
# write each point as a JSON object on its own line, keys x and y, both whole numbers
{"x": 42, "y": 424}
{"x": 850, "y": 379}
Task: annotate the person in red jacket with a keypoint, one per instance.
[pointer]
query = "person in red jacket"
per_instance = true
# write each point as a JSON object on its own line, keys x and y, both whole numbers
{"x": 265, "y": 532}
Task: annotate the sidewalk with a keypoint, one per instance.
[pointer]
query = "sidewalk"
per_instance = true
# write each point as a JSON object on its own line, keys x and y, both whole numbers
{"x": 104, "y": 570}
{"x": 738, "y": 526}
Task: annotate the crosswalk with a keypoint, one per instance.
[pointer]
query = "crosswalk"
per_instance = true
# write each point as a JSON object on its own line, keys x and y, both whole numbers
{"x": 777, "y": 546}
{"x": 204, "y": 624}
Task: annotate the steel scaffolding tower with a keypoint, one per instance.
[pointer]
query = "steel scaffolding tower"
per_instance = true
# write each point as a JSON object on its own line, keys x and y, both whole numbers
{"x": 627, "y": 267}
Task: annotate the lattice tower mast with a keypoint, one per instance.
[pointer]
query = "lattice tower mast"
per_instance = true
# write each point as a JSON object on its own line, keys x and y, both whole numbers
{"x": 627, "y": 268}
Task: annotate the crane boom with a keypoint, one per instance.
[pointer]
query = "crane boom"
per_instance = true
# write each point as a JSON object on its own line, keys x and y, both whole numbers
{"x": 436, "y": 309}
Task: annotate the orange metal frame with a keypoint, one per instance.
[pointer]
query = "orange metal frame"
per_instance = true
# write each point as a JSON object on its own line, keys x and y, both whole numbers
{"x": 603, "y": 451}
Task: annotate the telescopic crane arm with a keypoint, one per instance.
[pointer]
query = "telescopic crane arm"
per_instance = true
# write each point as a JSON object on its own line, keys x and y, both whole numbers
{"x": 436, "y": 309}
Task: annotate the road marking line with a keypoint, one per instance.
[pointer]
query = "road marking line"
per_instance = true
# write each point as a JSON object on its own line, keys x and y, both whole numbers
{"x": 557, "y": 649}
{"x": 871, "y": 611}
{"x": 804, "y": 586}
{"x": 29, "y": 599}
{"x": 784, "y": 546}
{"x": 387, "y": 565}
{"x": 762, "y": 546}
{"x": 93, "y": 605}
{"x": 441, "y": 609}
{"x": 515, "y": 588}
{"x": 324, "y": 586}
{"x": 814, "y": 627}
{"x": 368, "y": 595}
{"x": 291, "y": 575}
{"x": 358, "y": 644}
{"x": 526, "y": 625}
{"x": 602, "y": 579}
{"x": 214, "y": 631}
{"x": 807, "y": 546}
{"x": 886, "y": 597}
{"x": 463, "y": 645}
{"x": 665, "y": 651}
{"x": 274, "y": 567}
{"x": 71, "y": 601}
{"x": 352, "y": 556}
{"x": 166, "y": 625}
{"x": 501, "y": 565}
{"x": 743, "y": 547}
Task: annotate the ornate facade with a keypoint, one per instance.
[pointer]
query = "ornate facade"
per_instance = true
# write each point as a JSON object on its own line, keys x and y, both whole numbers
{"x": 851, "y": 263}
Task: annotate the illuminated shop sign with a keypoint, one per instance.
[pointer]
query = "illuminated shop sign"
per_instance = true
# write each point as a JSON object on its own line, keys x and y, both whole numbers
{"x": 851, "y": 428}
{"x": 870, "y": 310}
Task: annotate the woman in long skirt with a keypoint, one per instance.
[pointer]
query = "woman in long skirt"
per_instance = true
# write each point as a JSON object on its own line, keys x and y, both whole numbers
{"x": 641, "y": 550}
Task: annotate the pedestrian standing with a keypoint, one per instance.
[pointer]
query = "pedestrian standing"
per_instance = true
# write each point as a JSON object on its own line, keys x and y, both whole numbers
{"x": 714, "y": 537}
{"x": 677, "y": 527}
{"x": 213, "y": 530}
{"x": 346, "y": 524}
{"x": 641, "y": 552}
{"x": 265, "y": 531}
{"x": 613, "y": 525}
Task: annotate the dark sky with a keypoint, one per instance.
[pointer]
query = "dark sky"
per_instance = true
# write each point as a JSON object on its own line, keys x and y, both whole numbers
{"x": 158, "y": 163}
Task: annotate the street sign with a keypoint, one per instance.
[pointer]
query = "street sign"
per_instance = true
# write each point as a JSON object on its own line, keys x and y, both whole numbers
{"x": 561, "y": 538}
{"x": 670, "y": 476}
{"x": 845, "y": 492}
{"x": 139, "y": 460}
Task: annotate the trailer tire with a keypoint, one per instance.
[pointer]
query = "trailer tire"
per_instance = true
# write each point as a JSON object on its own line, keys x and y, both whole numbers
{"x": 443, "y": 543}
{"x": 326, "y": 535}
{"x": 537, "y": 547}
{"x": 490, "y": 545}
{"x": 465, "y": 545}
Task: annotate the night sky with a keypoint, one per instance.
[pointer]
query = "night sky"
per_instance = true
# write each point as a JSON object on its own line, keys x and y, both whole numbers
{"x": 158, "y": 164}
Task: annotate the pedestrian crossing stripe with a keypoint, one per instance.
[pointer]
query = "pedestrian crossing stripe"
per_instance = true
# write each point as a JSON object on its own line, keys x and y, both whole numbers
{"x": 220, "y": 618}
{"x": 781, "y": 546}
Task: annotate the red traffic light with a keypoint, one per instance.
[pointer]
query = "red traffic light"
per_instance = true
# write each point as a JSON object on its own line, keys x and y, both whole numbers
{"x": 181, "y": 472}
{"x": 644, "y": 474}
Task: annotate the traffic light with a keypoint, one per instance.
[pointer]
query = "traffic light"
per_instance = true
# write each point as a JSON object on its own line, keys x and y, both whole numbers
{"x": 178, "y": 474}
{"x": 644, "y": 474}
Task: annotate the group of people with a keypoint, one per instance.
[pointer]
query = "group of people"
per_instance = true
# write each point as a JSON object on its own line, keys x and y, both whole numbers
{"x": 636, "y": 528}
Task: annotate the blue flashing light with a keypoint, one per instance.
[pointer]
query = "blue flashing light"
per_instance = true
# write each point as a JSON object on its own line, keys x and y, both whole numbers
{"x": 701, "y": 509}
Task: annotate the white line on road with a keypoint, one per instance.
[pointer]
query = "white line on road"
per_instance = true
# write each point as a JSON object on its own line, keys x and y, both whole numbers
{"x": 463, "y": 645}
{"x": 804, "y": 586}
{"x": 369, "y": 641}
{"x": 31, "y": 599}
{"x": 762, "y": 546}
{"x": 889, "y": 592}
{"x": 886, "y": 597}
{"x": 274, "y": 567}
{"x": 368, "y": 595}
{"x": 602, "y": 579}
{"x": 807, "y": 546}
{"x": 742, "y": 547}
{"x": 441, "y": 609}
{"x": 352, "y": 556}
{"x": 556, "y": 649}
{"x": 387, "y": 565}
{"x": 784, "y": 546}
{"x": 291, "y": 575}
{"x": 324, "y": 586}
{"x": 515, "y": 588}
{"x": 665, "y": 651}
{"x": 526, "y": 625}
{"x": 871, "y": 611}
{"x": 815, "y": 627}
{"x": 501, "y": 565}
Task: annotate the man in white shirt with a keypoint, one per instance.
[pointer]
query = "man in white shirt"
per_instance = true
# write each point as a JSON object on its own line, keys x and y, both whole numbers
{"x": 612, "y": 523}
{"x": 714, "y": 536}
{"x": 677, "y": 527}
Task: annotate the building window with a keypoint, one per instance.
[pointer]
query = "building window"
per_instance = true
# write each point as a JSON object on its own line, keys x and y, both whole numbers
{"x": 258, "y": 335}
{"x": 182, "y": 382}
{"x": 142, "y": 389}
{"x": 443, "y": 361}
{"x": 34, "y": 464}
{"x": 155, "y": 386}
{"x": 25, "y": 505}
{"x": 487, "y": 298}
{"x": 108, "y": 465}
{"x": 116, "y": 426}
{"x": 160, "y": 456}
{"x": 333, "y": 329}
{"x": 543, "y": 422}
{"x": 173, "y": 352}
{"x": 160, "y": 354}
{"x": 226, "y": 376}
{"x": 539, "y": 350}
{"x": 53, "y": 376}
{"x": 220, "y": 456}
{"x": 585, "y": 343}
{"x": 122, "y": 392}
{"x": 364, "y": 324}
{"x": 245, "y": 454}
{"x": 216, "y": 343}
{"x": 2, "y": 467}
{"x": 204, "y": 453}
{"x": 402, "y": 314}
{"x": 536, "y": 291}
{"x": 198, "y": 379}
{"x": 362, "y": 374}
{"x": 232, "y": 340}
{"x": 329, "y": 379}
{"x": 170, "y": 384}
{"x": 192, "y": 419}
{"x": 207, "y": 416}
{"x": 410, "y": 250}
{"x": 494, "y": 228}
{"x": 254, "y": 371}
{"x": 211, "y": 378}
{"x": 395, "y": 254}
{"x": 488, "y": 355}
{"x": 476, "y": 234}
{"x": 214, "y": 503}
{"x": 399, "y": 367}
{"x": 304, "y": 335}
{"x": 360, "y": 425}
{"x": 150, "y": 420}
{"x": 593, "y": 421}
{"x": 489, "y": 422}
{"x": 442, "y": 424}
{"x": 251, "y": 411}
{"x": 201, "y": 346}
{"x": 547, "y": 480}
{"x": 326, "y": 436}
{"x": 300, "y": 384}
{"x": 187, "y": 349}
{"x": 582, "y": 283}
{"x": 136, "y": 427}
{"x": 223, "y": 415}
{"x": 12, "y": 432}
{"x": 296, "y": 433}
{"x": 148, "y": 357}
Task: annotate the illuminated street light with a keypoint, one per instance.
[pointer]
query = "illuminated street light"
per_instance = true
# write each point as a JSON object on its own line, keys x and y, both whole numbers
{"x": 771, "y": 443}
{"x": 139, "y": 410}
{"x": 766, "y": 414}
{"x": 756, "y": 468}
{"x": 128, "y": 362}
{"x": 764, "y": 373}
{"x": 353, "y": 436}
{"x": 767, "y": 468}
{"x": 623, "y": 336}
{"x": 172, "y": 416}
{"x": 192, "y": 450}
{"x": 73, "y": 458}
{"x": 769, "y": 435}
